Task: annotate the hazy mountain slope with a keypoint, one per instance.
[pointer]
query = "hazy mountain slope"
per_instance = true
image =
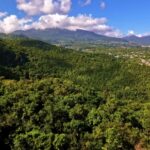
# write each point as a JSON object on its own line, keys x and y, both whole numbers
{"x": 145, "y": 40}
{"x": 67, "y": 37}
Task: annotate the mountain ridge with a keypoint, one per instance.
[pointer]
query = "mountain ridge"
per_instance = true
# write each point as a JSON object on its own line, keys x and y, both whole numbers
{"x": 66, "y": 32}
{"x": 143, "y": 40}
{"x": 70, "y": 38}
{"x": 78, "y": 38}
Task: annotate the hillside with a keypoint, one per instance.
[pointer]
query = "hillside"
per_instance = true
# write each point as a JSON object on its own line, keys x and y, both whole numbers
{"x": 56, "y": 34}
{"x": 57, "y": 98}
{"x": 71, "y": 39}
{"x": 144, "y": 40}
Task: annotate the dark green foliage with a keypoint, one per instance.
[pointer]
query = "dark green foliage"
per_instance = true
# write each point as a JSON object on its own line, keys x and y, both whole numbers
{"x": 53, "y": 98}
{"x": 38, "y": 115}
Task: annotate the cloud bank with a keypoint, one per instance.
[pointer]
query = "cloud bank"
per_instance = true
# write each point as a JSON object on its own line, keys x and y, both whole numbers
{"x": 34, "y": 7}
{"x": 133, "y": 33}
{"x": 54, "y": 14}
{"x": 12, "y": 23}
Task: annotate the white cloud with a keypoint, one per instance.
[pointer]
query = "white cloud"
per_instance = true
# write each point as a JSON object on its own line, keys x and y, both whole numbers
{"x": 114, "y": 33}
{"x": 132, "y": 32}
{"x": 12, "y": 23}
{"x": 3, "y": 14}
{"x": 34, "y": 7}
{"x": 84, "y": 22}
{"x": 54, "y": 15}
{"x": 65, "y": 21}
{"x": 103, "y": 5}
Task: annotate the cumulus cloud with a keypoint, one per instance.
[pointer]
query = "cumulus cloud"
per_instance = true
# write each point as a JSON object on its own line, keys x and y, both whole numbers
{"x": 3, "y": 14}
{"x": 84, "y": 22}
{"x": 35, "y": 7}
{"x": 12, "y": 23}
{"x": 54, "y": 15}
{"x": 114, "y": 33}
{"x": 133, "y": 33}
{"x": 69, "y": 22}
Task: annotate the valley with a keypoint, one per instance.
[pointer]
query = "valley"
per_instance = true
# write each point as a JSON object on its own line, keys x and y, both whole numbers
{"x": 74, "y": 75}
{"x": 52, "y": 97}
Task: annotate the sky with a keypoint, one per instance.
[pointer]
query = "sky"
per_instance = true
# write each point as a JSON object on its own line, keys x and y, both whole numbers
{"x": 108, "y": 17}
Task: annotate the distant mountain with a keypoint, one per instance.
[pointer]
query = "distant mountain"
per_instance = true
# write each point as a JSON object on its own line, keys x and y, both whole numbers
{"x": 55, "y": 34}
{"x": 69, "y": 38}
{"x": 144, "y": 40}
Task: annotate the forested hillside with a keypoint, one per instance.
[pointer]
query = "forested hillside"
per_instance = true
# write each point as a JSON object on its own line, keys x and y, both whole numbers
{"x": 57, "y": 98}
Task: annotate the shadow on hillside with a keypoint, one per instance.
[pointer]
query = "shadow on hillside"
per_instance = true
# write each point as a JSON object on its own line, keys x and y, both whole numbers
{"x": 37, "y": 44}
{"x": 11, "y": 59}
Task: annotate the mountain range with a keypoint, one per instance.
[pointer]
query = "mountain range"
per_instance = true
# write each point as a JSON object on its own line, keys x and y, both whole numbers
{"x": 57, "y": 35}
{"x": 79, "y": 39}
{"x": 144, "y": 40}
{"x": 68, "y": 38}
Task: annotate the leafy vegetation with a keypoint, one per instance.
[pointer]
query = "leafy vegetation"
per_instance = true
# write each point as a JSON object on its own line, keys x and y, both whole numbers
{"x": 56, "y": 98}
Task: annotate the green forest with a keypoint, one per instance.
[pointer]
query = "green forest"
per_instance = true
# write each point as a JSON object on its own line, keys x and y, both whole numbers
{"x": 53, "y": 98}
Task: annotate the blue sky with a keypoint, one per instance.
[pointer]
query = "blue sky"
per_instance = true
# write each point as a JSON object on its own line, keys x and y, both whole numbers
{"x": 123, "y": 14}
{"x": 113, "y": 16}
